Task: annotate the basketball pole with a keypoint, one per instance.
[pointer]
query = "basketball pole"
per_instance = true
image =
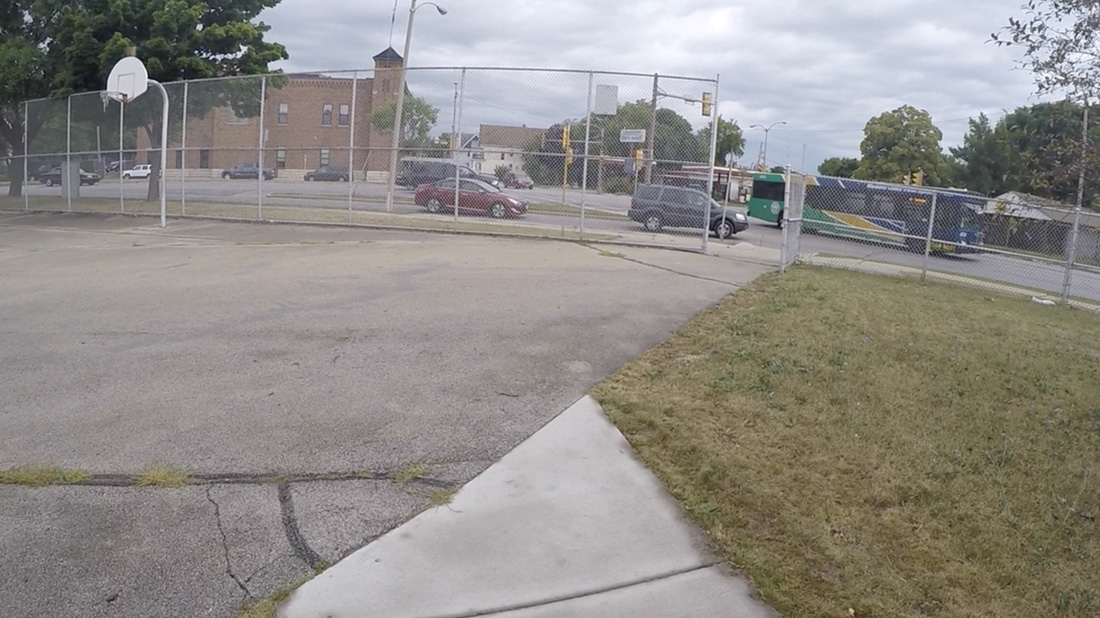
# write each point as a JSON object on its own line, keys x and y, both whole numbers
{"x": 163, "y": 152}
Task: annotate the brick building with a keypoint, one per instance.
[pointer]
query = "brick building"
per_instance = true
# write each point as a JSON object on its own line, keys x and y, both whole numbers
{"x": 306, "y": 123}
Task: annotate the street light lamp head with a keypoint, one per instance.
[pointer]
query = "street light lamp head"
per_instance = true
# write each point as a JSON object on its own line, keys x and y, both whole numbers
{"x": 442, "y": 11}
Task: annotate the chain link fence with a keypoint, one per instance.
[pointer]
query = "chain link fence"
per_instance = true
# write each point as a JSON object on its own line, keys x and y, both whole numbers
{"x": 1009, "y": 244}
{"x": 551, "y": 153}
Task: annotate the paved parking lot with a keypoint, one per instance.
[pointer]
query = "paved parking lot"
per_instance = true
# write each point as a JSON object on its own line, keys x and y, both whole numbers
{"x": 319, "y": 385}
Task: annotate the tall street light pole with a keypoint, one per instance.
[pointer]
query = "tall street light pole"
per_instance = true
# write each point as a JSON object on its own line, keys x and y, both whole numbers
{"x": 399, "y": 107}
{"x": 767, "y": 129}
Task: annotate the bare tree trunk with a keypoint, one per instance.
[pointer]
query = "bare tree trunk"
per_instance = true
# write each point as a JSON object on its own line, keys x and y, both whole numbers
{"x": 153, "y": 194}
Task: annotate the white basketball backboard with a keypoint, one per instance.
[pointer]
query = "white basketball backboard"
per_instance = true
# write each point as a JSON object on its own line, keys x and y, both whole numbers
{"x": 128, "y": 80}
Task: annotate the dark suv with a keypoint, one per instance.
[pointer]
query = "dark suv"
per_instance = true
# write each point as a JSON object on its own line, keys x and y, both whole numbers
{"x": 418, "y": 173}
{"x": 248, "y": 171}
{"x": 661, "y": 206}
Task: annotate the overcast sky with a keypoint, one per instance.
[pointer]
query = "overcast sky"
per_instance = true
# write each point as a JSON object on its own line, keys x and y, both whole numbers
{"x": 823, "y": 66}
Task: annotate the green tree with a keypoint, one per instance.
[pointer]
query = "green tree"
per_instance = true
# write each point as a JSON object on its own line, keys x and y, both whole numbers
{"x": 26, "y": 72}
{"x": 983, "y": 162}
{"x": 1058, "y": 40}
{"x": 417, "y": 119}
{"x": 898, "y": 142}
{"x": 71, "y": 46}
{"x": 839, "y": 167}
{"x": 731, "y": 141}
{"x": 778, "y": 169}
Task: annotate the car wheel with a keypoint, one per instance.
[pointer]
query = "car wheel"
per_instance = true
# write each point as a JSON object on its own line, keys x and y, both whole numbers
{"x": 126, "y": 177}
{"x": 433, "y": 205}
{"x": 225, "y": 176}
{"x": 724, "y": 229}
{"x": 343, "y": 179}
{"x": 653, "y": 223}
{"x": 49, "y": 182}
{"x": 497, "y": 211}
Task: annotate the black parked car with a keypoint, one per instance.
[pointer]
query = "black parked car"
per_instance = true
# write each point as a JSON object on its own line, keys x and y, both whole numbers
{"x": 37, "y": 171}
{"x": 249, "y": 171}
{"x": 660, "y": 206}
{"x": 329, "y": 173}
{"x": 418, "y": 173}
{"x": 54, "y": 176}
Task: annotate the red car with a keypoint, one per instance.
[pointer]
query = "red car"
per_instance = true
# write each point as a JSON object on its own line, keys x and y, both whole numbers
{"x": 474, "y": 197}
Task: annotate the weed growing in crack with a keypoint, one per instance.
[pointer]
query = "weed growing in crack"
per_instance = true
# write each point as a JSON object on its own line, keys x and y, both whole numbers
{"x": 40, "y": 477}
{"x": 163, "y": 476}
{"x": 409, "y": 473}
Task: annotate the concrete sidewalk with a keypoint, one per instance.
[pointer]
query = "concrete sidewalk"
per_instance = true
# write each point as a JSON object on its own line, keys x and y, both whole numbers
{"x": 569, "y": 523}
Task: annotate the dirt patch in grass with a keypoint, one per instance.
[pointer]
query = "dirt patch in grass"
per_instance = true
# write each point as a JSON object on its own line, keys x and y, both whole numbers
{"x": 868, "y": 446}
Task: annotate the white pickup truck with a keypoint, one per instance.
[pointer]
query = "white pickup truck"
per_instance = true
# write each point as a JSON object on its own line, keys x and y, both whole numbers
{"x": 138, "y": 171}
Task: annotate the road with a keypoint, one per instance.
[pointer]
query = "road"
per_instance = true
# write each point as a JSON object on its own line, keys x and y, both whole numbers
{"x": 1016, "y": 270}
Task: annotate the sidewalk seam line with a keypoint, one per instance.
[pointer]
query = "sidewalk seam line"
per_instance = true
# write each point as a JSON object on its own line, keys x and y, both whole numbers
{"x": 581, "y": 595}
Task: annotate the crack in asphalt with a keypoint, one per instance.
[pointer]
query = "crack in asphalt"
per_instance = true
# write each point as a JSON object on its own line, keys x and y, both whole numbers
{"x": 293, "y": 535}
{"x": 233, "y": 478}
{"x": 225, "y": 546}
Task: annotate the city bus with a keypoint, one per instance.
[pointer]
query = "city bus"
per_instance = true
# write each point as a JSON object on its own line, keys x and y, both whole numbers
{"x": 876, "y": 212}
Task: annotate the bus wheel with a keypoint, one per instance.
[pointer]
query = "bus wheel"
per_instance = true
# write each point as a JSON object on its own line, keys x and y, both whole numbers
{"x": 779, "y": 220}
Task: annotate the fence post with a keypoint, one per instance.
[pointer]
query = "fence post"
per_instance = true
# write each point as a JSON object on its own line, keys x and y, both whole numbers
{"x": 584, "y": 166}
{"x": 67, "y": 183}
{"x": 710, "y": 162}
{"x": 784, "y": 247}
{"x": 1071, "y": 259}
{"x": 458, "y": 141}
{"x": 928, "y": 239}
{"x": 260, "y": 154}
{"x": 183, "y": 156}
{"x": 26, "y": 155}
{"x": 351, "y": 142}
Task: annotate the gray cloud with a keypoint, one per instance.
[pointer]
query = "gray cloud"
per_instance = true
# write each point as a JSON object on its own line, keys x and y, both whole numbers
{"x": 823, "y": 66}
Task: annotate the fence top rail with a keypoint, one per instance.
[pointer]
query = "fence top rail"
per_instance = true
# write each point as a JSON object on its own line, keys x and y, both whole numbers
{"x": 708, "y": 80}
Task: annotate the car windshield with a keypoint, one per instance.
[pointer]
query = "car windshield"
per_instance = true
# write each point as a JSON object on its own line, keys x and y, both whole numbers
{"x": 488, "y": 188}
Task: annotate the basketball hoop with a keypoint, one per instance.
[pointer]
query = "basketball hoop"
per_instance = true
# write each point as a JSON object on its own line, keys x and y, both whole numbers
{"x": 107, "y": 96}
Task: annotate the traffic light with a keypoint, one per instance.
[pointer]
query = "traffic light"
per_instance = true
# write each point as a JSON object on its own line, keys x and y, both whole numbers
{"x": 707, "y": 101}
{"x": 565, "y": 138}
{"x": 918, "y": 178}
{"x": 639, "y": 154}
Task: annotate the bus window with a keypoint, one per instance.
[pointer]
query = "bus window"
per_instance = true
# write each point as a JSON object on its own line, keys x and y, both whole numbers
{"x": 768, "y": 190}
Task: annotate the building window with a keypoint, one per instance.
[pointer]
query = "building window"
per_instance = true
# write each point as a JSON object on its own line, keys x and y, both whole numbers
{"x": 280, "y": 158}
{"x": 179, "y": 159}
{"x": 345, "y": 115}
{"x": 385, "y": 85}
{"x": 324, "y": 157}
{"x": 326, "y": 115}
{"x": 204, "y": 159}
{"x": 232, "y": 115}
{"x": 502, "y": 156}
{"x": 284, "y": 111}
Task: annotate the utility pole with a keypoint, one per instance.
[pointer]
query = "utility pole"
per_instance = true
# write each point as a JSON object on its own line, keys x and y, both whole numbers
{"x": 652, "y": 130}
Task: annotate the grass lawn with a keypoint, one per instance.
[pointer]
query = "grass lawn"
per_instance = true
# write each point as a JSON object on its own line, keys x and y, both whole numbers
{"x": 864, "y": 443}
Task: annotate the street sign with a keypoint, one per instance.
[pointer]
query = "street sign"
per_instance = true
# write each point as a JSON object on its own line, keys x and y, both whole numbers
{"x": 607, "y": 100}
{"x": 632, "y": 136}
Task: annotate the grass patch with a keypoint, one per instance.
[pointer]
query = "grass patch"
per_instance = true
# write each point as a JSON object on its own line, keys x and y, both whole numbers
{"x": 441, "y": 497}
{"x": 266, "y": 608}
{"x": 409, "y": 473}
{"x": 865, "y": 442}
{"x": 40, "y": 477}
{"x": 163, "y": 476}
